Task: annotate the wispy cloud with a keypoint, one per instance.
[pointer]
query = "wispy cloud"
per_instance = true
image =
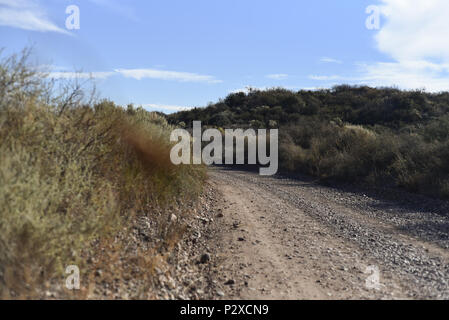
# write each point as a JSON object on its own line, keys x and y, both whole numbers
{"x": 330, "y": 60}
{"x": 166, "y": 75}
{"x": 407, "y": 75}
{"x": 312, "y": 88}
{"x": 79, "y": 75}
{"x": 163, "y": 107}
{"x": 277, "y": 76}
{"x": 138, "y": 74}
{"x": 247, "y": 89}
{"x": 27, "y": 15}
{"x": 326, "y": 77}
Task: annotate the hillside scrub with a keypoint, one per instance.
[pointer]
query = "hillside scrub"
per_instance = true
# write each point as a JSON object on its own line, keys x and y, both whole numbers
{"x": 73, "y": 173}
{"x": 358, "y": 134}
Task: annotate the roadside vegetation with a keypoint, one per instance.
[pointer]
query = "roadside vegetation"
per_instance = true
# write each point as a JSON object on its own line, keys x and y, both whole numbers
{"x": 74, "y": 174}
{"x": 379, "y": 136}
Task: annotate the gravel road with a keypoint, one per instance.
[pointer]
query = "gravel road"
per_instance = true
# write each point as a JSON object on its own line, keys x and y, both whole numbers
{"x": 281, "y": 238}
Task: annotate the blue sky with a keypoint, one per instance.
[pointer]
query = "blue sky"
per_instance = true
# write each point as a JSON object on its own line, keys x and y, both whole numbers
{"x": 171, "y": 54}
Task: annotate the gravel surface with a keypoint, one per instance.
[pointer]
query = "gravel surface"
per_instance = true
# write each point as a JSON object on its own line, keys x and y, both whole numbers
{"x": 255, "y": 237}
{"x": 405, "y": 236}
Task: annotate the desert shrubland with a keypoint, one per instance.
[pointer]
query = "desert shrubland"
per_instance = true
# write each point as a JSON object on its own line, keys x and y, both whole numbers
{"x": 378, "y": 136}
{"x": 74, "y": 172}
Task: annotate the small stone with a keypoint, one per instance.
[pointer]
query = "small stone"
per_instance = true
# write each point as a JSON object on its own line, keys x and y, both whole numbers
{"x": 171, "y": 284}
{"x": 230, "y": 282}
{"x": 241, "y": 239}
{"x": 205, "y": 258}
{"x": 49, "y": 294}
{"x": 173, "y": 218}
{"x": 158, "y": 271}
{"x": 220, "y": 293}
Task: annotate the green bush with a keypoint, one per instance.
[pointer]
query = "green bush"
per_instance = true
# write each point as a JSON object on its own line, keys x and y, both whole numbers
{"x": 349, "y": 133}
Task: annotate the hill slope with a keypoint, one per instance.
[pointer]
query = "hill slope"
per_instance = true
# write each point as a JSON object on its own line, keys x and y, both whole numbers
{"x": 348, "y": 133}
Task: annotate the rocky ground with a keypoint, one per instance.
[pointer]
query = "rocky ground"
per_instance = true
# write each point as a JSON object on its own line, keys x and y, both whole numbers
{"x": 295, "y": 239}
{"x": 254, "y": 237}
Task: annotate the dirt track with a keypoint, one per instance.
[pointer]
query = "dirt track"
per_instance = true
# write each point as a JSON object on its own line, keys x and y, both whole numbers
{"x": 294, "y": 239}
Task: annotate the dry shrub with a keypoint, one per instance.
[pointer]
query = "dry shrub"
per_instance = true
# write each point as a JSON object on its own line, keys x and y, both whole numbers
{"x": 72, "y": 174}
{"x": 411, "y": 159}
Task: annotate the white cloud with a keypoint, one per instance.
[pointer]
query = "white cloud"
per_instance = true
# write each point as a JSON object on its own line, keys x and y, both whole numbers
{"x": 413, "y": 36}
{"x": 407, "y": 75}
{"x": 330, "y": 60}
{"x": 415, "y": 29}
{"x": 277, "y": 76}
{"x": 166, "y": 75}
{"x": 326, "y": 77}
{"x": 79, "y": 75}
{"x": 247, "y": 89}
{"x": 139, "y": 74}
{"x": 27, "y": 15}
{"x": 162, "y": 107}
{"x": 312, "y": 88}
